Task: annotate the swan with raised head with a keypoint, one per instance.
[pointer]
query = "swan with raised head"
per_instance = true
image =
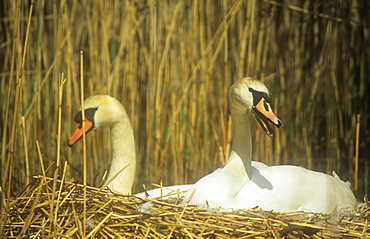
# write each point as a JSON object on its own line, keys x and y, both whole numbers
{"x": 104, "y": 110}
{"x": 241, "y": 185}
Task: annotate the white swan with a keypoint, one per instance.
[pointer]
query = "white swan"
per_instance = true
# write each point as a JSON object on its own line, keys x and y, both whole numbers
{"x": 240, "y": 185}
{"x": 104, "y": 110}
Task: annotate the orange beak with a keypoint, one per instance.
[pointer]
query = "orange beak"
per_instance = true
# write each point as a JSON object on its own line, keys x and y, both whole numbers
{"x": 79, "y": 132}
{"x": 264, "y": 114}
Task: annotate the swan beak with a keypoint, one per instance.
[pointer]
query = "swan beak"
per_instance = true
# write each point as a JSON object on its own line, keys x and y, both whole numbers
{"x": 79, "y": 132}
{"x": 263, "y": 113}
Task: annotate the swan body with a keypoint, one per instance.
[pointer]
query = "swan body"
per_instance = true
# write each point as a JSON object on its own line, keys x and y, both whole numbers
{"x": 165, "y": 192}
{"x": 286, "y": 188}
{"x": 241, "y": 184}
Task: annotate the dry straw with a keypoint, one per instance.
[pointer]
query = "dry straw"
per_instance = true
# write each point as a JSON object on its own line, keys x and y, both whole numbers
{"x": 60, "y": 209}
{"x": 111, "y": 215}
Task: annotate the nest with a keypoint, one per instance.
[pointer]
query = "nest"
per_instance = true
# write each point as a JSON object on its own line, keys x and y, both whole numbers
{"x": 57, "y": 209}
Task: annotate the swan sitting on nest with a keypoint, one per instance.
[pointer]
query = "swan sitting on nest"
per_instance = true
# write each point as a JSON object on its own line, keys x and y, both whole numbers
{"x": 241, "y": 185}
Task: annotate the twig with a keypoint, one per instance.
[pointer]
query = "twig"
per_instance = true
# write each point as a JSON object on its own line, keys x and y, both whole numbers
{"x": 83, "y": 141}
{"x": 358, "y": 123}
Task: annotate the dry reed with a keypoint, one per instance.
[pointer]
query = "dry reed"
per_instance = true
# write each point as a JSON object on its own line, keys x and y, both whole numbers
{"x": 171, "y": 65}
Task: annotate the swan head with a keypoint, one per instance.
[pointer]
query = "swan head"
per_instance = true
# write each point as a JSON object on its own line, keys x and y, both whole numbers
{"x": 248, "y": 94}
{"x": 100, "y": 110}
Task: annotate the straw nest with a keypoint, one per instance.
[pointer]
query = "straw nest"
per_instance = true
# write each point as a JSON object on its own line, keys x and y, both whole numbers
{"x": 49, "y": 208}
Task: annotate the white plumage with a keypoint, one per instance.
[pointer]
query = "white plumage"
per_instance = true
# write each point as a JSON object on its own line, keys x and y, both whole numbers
{"x": 240, "y": 185}
{"x": 104, "y": 110}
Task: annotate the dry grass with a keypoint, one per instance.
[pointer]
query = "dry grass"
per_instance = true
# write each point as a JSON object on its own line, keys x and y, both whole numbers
{"x": 171, "y": 64}
{"x": 35, "y": 214}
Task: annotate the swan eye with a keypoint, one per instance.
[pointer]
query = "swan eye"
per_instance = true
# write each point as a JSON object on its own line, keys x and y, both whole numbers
{"x": 89, "y": 114}
{"x": 260, "y": 95}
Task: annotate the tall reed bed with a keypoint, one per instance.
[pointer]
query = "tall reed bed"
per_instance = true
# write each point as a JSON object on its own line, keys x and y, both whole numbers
{"x": 171, "y": 64}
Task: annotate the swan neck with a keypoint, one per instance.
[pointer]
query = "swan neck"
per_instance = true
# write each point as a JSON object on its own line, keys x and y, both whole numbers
{"x": 123, "y": 155}
{"x": 241, "y": 149}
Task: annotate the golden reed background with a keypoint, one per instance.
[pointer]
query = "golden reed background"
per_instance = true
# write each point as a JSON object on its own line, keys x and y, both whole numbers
{"x": 171, "y": 64}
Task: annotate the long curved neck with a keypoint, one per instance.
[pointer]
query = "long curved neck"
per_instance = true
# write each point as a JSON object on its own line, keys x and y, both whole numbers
{"x": 123, "y": 153}
{"x": 241, "y": 149}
